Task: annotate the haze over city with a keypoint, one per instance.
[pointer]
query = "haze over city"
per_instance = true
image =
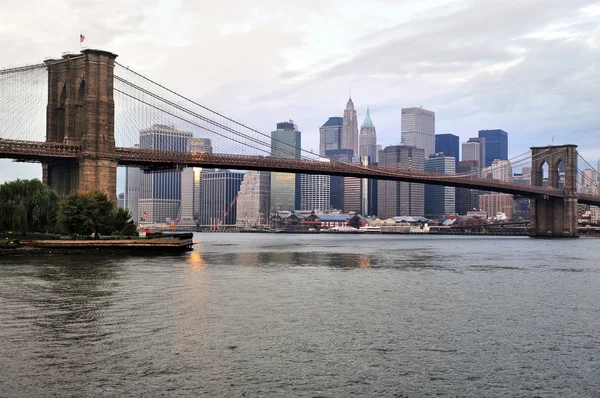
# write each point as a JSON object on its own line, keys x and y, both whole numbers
{"x": 526, "y": 67}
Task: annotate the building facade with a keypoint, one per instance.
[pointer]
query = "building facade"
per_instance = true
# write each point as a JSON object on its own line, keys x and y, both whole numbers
{"x": 440, "y": 201}
{"x": 330, "y": 135}
{"x": 133, "y": 177}
{"x": 494, "y": 203}
{"x": 286, "y": 142}
{"x": 418, "y": 129}
{"x": 499, "y": 170}
{"x": 219, "y": 191}
{"x": 350, "y": 128}
{"x": 449, "y": 145}
{"x": 253, "y": 199}
{"x": 160, "y": 191}
{"x": 315, "y": 192}
{"x": 401, "y": 198}
{"x": 337, "y": 182}
{"x": 496, "y": 145}
{"x": 467, "y": 199}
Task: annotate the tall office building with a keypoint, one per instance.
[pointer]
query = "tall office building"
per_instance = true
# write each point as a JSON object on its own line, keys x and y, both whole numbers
{"x": 121, "y": 200}
{"x": 160, "y": 192}
{"x": 440, "y": 201}
{"x": 337, "y": 182}
{"x": 496, "y": 145}
{"x": 352, "y": 194}
{"x": 330, "y": 135}
{"x": 589, "y": 185}
{"x": 598, "y": 171}
{"x": 253, "y": 199}
{"x": 189, "y": 209}
{"x": 286, "y": 142}
{"x": 368, "y": 139}
{"x": 350, "y": 128}
{"x": 219, "y": 190}
{"x": 401, "y": 198}
{"x": 315, "y": 192}
{"x": 418, "y": 129}
{"x": 133, "y": 177}
{"x": 449, "y": 145}
{"x": 494, "y": 203}
{"x": 467, "y": 199}
{"x": 471, "y": 151}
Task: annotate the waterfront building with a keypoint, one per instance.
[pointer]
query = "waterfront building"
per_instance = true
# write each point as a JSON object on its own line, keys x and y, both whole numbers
{"x": 253, "y": 199}
{"x": 401, "y": 198}
{"x": 493, "y": 203}
{"x": 449, "y": 145}
{"x": 286, "y": 142}
{"x": 440, "y": 201}
{"x": 467, "y": 199}
{"x": 330, "y": 135}
{"x": 219, "y": 190}
{"x": 315, "y": 192}
{"x": 496, "y": 145}
{"x": 368, "y": 139}
{"x": 350, "y": 128}
{"x": 160, "y": 191}
{"x": 418, "y": 129}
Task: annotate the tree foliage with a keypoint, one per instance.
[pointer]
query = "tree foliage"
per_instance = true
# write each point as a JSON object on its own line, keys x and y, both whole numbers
{"x": 91, "y": 212}
{"x": 27, "y": 206}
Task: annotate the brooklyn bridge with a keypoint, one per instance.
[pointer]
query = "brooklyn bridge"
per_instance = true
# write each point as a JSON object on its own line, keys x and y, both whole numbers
{"x": 80, "y": 116}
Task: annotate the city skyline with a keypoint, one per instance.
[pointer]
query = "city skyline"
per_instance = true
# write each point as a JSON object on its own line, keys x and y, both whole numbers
{"x": 491, "y": 78}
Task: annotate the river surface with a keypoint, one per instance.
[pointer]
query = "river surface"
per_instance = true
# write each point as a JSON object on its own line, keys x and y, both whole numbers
{"x": 272, "y": 315}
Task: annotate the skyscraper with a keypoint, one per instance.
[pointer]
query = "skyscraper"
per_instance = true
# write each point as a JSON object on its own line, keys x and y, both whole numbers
{"x": 315, "y": 192}
{"x": 401, "y": 198}
{"x": 330, "y": 135}
{"x": 496, "y": 145}
{"x": 350, "y": 128}
{"x": 219, "y": 190}
{"x": 133, "y": 176}
{"x": 253, "y": 199}
{"x": 286, "y": 142}
{"x": 467, "y": 199}
{"x": 471, "y": 151}
{"x": 368, "y": 139}
{"x": 418, "y": 129}
{"x": 337, "y": 182}
{"x": 449, "y": 145}
{"x": 440, "y": 201}
{"x": 189, "y": 210}
{"x": 160, "y": 192}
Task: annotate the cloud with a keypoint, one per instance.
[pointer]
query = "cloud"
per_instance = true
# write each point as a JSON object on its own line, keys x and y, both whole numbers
{"x": 528, "y": 66}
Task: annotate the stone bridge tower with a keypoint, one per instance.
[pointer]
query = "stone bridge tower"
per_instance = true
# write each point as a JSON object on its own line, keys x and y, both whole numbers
{"x": 81, "y": 112}
{"x": 555, "y": 217}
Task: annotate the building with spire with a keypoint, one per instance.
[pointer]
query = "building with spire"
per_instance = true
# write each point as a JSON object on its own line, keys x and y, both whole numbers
{"x": 350, "y": 128}
{"x": 368, "y": 139}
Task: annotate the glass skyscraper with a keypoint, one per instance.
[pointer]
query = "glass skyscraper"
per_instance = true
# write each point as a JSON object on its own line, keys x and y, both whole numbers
{"x": 449, "y": 145}
{"x": 286, "y": 142}
{"x": 496, "y": 145}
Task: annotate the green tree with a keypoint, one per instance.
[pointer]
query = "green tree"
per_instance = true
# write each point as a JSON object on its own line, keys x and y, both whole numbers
{"x": 121, "y": 218}
{"x": 85, "y": 213}
{"x": 27, "y": 205}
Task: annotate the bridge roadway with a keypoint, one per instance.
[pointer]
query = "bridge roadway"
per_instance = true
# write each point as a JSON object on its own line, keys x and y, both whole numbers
{"x": 150, "y": 159}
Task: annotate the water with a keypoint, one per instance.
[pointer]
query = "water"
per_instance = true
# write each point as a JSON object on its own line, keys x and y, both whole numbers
{"x": 264, "y": 315}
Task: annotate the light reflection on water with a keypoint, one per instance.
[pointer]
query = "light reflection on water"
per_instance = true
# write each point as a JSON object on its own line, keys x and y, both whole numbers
{"x": 294, "y": 315}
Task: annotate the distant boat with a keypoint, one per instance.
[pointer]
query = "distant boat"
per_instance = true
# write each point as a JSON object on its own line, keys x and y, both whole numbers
{"x": 344, "y": 229}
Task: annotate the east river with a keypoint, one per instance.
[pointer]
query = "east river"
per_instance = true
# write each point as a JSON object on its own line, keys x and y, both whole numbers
{"x": 277, "y": 315}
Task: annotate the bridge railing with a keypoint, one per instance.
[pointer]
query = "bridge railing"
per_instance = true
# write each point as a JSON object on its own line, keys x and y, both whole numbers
{"x": 27, "y": 149}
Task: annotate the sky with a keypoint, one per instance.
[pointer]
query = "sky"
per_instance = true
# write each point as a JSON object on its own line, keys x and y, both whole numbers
{"x": 529, "y": 67}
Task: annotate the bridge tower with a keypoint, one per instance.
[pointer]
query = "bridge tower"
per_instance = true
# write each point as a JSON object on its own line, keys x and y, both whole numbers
{"x": 555, "y": 217}
{"x": 80, "y": 112}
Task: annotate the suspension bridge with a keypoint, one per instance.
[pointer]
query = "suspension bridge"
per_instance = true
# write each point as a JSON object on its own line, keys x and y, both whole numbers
{"x": 81, "y": 116}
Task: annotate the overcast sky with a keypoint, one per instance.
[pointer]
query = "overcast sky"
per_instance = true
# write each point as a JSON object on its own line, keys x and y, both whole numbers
{"x": 530, "y": 67}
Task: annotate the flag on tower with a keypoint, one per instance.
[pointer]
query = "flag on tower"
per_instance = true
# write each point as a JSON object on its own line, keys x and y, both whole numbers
{"x": 81, "y": 38}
